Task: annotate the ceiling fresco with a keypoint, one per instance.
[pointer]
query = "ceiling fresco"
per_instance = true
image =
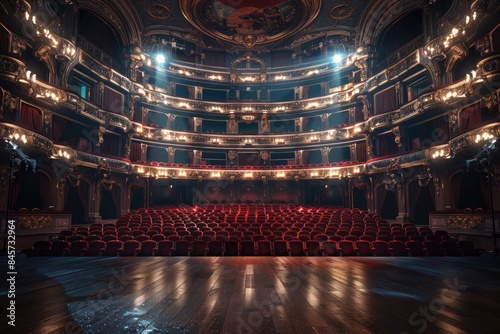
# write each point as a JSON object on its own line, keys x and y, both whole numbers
{"x": 240, "y": 25}
{"x": 250, "y": 22}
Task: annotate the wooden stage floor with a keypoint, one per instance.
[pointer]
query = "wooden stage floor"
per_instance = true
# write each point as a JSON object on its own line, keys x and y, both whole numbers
{"x": 256, "y": 295}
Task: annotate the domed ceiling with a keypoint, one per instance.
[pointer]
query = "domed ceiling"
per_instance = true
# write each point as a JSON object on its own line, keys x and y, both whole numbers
{"x": 249, "y": 22}
{"x": 260, "y": 25}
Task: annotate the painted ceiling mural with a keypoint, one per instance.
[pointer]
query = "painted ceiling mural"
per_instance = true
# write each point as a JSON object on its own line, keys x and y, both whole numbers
{"x": 250, "y": 22}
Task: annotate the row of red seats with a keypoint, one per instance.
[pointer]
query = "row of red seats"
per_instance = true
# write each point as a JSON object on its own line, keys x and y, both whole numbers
{"x": 251, "y": 248}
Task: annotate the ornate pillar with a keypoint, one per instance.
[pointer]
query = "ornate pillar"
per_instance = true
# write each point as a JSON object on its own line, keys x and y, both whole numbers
{"x": 171, "y": 87}
{"x": 352, "y": 149}
{"x": 298, "y": 92}
{"x": 299, "y": 125}
{"x": 232, "y": 125}
{"x": 324, "y": 121}
{"x": 399, "y": 138}
{"x": 264, "y": 157}
{"x": 144, "y": 152}
{"x": 366, "y": 106}
{"x": 264, "y": 125}
{"x": 370, "y": 150}
{"x": 324, "y": 155}
{"x": 197, "y": 121}
{"x": 324, "y": 88}
{"x": 171, "y": 154}
{"x": 197, "y": 157}
{"x": 298, "y": 157}
{"x": 171, "y": 121}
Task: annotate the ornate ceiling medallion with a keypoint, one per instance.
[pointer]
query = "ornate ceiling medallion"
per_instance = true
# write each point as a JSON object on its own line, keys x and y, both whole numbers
{"x": 250, "y": 22}
{"x": 158, "y": 11}
{"x": 341, "y": 12}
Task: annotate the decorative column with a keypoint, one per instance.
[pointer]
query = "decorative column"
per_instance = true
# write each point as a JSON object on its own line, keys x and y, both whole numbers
{"x": 352, "y": 149}
{"x": 264, "y": 125}
{"x": 299, "y": 125}
{"x": 298, "y": 92}
{"x": 171, "y": 154}
{"x": 298, "y": 157}
{"x": 144, "y": 152}
{"x": 232, "y": 125}
{"x": 171, "y": 121}
{"x": 324, "y": 155}
{"x": 325, "y": 124}
{"x": 197, "y": 121}
{"x": 197, "y": 157}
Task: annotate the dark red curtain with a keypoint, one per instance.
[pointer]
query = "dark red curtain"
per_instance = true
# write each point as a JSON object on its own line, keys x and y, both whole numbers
{"x": 387, "y": 145}
{"x": 44, "y": 184}
{"x": 470, "y": 117}
{"x": 116, "y": 196}
{"x": 361, "y": 151}
{"x": 381, "y": 195}
{"x": 414, "y": 191}
{"x": 96, "y": 32}
{"x": 485, "y": 190}
{"x": 15, "y": 190}
{"x": 358, "y": 114}
{"x": 432, "y": 191}
{"x": 135, "y": 151}
{"x": 305, "y": 157}
{"x": 191, "y": 92}
{"x": 386, "y": 101}
{"x": 248, "y": 159}
{"x": 58, "y": 126}
{"x": 495, "y": 39}
{"x": 305, "y": 92}
{"x": 455, "y": 184}
{"x": 111, "y": 145}
{"x": 4, "y": 39}
{"x": 305, "y": 121}
{"x": 84, "y": 192}
{"x": 442, "y": 129}
{"x": 31, "y": 117}
{"x": 112, "y": 101}
{"x": 138, "y": 113}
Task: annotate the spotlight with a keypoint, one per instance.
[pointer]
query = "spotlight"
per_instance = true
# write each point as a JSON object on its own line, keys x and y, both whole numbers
{"x": 337, "y": 58}
{"x": 160, "y": 59}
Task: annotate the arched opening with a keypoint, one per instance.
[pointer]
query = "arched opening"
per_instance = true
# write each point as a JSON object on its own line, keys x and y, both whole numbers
{"x": 421, "y": 202}
{"x": 137, "y": 198}
{"x": 400, "y": 33}
{"x": 359, "y": 198}
{"x": 36, "y": 65}
{"x": 333, "y": 195}
{"x": 471, "y": 193}
{"x": 95, "y": 33}
{"x": 27, "y": 191}
{"x": 77, "y": 195}
{"x": 387, "y": 203}
{"x": 74, "y": 206}
{"x": 110, "y": 202}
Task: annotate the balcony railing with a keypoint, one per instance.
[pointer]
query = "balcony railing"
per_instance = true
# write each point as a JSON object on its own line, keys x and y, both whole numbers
{"x": 401, "y": 53}
{"x": 97, "y": 53}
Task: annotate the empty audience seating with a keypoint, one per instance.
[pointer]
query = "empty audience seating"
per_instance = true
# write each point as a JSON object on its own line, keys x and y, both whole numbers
{"x": 248, "y": 230}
